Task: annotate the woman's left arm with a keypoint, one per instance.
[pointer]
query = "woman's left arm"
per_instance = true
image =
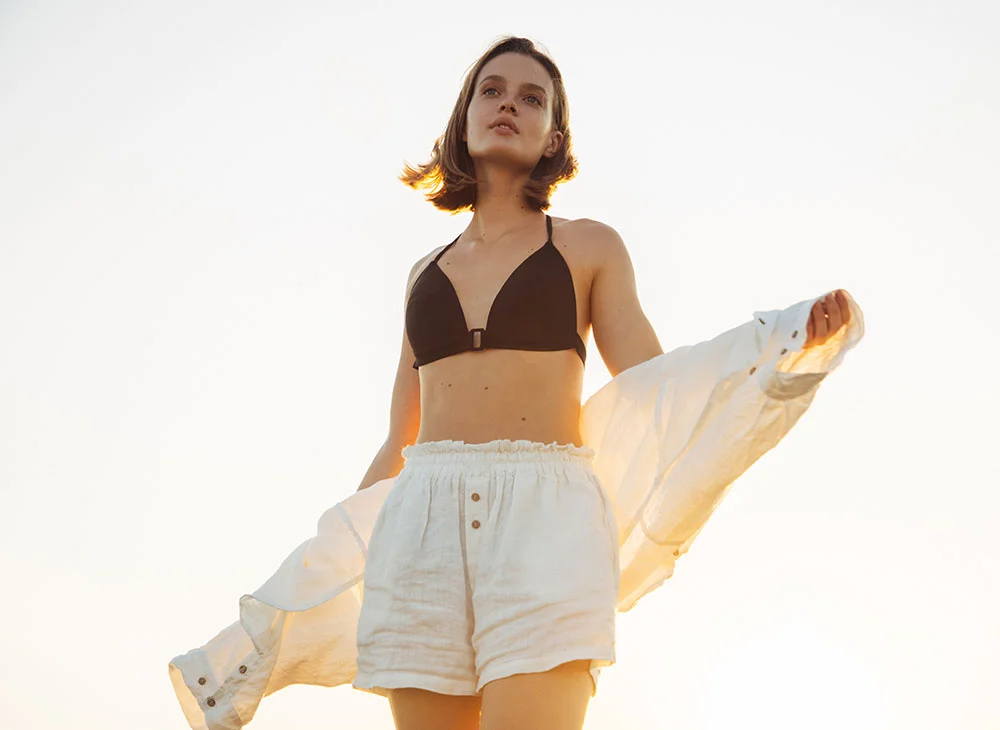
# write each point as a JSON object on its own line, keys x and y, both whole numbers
{"x": 622, "y": 332}
{"x": 623, "y": 335}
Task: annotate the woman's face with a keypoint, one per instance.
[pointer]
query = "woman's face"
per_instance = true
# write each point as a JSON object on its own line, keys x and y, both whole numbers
{"x": 515, "y": 88}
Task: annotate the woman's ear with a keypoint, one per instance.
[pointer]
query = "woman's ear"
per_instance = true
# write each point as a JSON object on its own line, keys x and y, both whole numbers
{"x": 555, "y": 142}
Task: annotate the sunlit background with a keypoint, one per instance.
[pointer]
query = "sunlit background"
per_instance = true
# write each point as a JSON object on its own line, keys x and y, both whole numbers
{"x": 203, "y": 254}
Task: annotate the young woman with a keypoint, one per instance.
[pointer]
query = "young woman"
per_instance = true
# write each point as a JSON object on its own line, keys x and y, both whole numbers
{"x": 491, "y": 582}
{"x": 475, "y": 575}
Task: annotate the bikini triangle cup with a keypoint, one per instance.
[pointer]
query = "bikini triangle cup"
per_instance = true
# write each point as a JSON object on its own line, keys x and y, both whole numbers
{"x": 535, "y": 309}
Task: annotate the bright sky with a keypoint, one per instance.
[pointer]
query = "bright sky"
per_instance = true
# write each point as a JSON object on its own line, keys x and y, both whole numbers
{"x": 203, "y": 252}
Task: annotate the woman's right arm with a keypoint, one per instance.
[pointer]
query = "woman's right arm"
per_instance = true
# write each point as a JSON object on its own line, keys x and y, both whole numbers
{"x": 404, "y": 412}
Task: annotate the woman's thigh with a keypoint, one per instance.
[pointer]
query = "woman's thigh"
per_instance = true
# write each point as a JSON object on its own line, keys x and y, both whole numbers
{"x": 419, "y": 709}
{"x": 552, "y": 700}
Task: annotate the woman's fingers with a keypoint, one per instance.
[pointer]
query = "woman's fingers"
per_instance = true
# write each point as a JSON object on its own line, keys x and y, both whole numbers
{"x": 827, "y": 316}
{"x": 833, "y": 315}
{"x": 845, "y": 308}
{"x": 818, "y": 318}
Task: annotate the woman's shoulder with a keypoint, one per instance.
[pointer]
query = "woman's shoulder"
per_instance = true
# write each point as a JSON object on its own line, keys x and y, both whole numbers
{"x": 587, "y": 239}
{"x": 584, "y": 227}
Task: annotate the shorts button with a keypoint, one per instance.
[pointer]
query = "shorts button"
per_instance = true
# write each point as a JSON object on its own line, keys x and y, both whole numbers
{"x": 475, "y": 496}
{"x": 201, "y": 680}
{"x": 475, "y": 524}
{"x": 210, "y": 702}
{"x": 243, "y": 668}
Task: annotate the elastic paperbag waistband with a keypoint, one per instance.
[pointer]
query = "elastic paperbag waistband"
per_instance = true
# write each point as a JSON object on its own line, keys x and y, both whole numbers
{"x": 450, "y": 451}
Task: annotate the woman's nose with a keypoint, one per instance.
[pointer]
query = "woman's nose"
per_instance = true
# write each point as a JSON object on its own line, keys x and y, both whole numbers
{"x": 507, "y": 106}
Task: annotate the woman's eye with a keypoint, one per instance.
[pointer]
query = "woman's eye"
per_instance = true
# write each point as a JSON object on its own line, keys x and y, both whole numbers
{"x": 532, "y": 97}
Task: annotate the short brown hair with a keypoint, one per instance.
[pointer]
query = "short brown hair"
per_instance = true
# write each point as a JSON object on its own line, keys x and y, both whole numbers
{"x": 450, "y": 175}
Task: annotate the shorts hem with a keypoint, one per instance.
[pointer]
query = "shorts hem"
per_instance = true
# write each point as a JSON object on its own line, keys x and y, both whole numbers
{"x": 380, "y": 682}
{"x": 599, "y": 657}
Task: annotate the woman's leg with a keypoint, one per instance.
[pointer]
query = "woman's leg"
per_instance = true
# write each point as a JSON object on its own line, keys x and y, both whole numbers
{"x": 552, "y": 700}
{"x": 419, "y": 709}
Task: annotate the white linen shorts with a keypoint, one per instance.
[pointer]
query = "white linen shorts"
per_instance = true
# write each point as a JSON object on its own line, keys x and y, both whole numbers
{"x": 488, "y": 560}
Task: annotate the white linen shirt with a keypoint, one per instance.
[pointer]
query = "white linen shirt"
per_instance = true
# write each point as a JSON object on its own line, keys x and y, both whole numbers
{"x": 671, "y": 436}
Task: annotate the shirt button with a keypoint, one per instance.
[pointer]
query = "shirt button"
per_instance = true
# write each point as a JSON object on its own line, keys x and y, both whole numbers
{"x": 795, "y": 333}
{"x": 784, "y": 350}
{"x": 753, "y": 370}
{"x": 243, "y": 668}
{"x": 210, "y": 702}
{"x": 475, "y": 496}
{"x": 761, "y": 321}
{"x": 201, "y": 680}
{"x": 475, "y": 524}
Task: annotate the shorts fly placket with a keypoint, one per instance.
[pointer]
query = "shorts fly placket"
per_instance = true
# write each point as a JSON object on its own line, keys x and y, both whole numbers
{"x": 474, "y": 492}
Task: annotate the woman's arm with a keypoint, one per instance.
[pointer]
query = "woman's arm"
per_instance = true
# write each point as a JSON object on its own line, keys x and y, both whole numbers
{"x": 404, "y": 412}
{"x": 622, "y": 333}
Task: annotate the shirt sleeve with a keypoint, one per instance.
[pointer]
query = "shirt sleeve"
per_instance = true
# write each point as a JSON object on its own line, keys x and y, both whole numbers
{"x": 297, "y": 628}
{"x": 674, "y": 433}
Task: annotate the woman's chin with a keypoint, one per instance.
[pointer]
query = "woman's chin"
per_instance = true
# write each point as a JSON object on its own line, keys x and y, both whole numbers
{"x": 504, "y": 157}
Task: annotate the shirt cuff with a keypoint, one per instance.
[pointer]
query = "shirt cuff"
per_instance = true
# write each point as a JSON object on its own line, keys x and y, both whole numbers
{"x": 784, "y": 369}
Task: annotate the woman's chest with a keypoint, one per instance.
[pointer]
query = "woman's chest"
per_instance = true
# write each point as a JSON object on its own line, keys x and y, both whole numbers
{"x": 506, "y": 288}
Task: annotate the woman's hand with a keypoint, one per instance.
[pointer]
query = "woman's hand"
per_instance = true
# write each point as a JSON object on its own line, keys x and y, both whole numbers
{"x": 826, "y": 318}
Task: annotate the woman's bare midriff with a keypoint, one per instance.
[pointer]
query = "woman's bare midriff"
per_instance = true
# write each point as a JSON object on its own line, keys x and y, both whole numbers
{"x": 484, "y": 395}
